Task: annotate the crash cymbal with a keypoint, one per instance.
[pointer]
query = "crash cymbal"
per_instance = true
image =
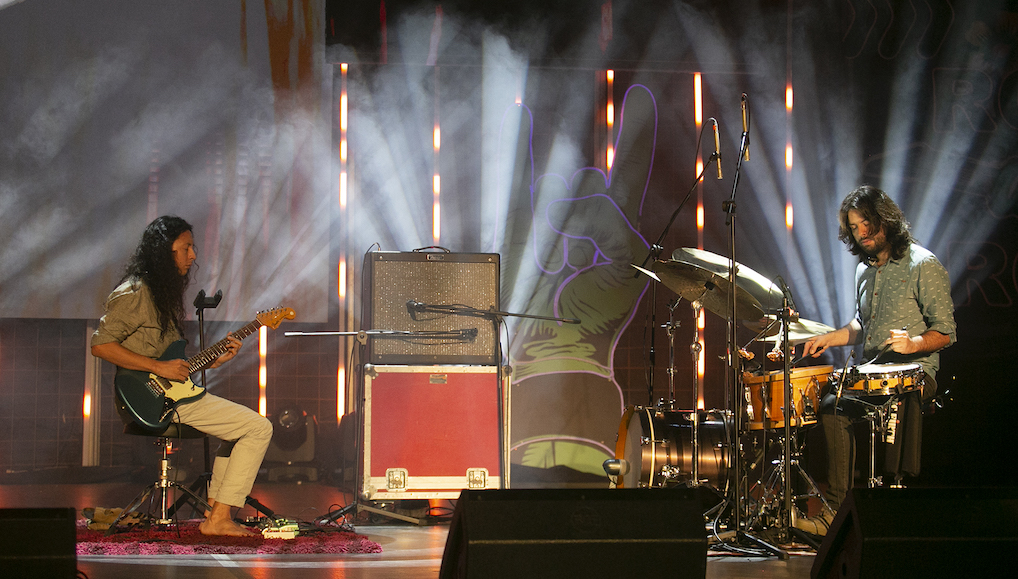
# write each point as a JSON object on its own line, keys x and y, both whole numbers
{"x": 762, "y": 289}
{"x": 696, "y": 274}
{"x": 711, "y": 289}
{"x": 798, "y": 331}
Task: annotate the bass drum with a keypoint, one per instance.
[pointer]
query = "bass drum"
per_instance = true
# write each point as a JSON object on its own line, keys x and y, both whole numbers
{"x": 657, "y": 447}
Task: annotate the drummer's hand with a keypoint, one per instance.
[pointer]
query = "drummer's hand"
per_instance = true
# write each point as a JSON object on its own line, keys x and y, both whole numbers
{"x": 817, "y": 346}
{"x": 901, "y": 342}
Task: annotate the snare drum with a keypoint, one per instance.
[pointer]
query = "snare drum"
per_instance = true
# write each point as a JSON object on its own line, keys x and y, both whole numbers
{"x": 881, "y": 379}
{"x": 806, "y": 386}
{"x": 657, "y": 445}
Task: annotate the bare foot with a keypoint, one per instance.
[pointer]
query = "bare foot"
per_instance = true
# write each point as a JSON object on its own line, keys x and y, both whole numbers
{"x": 228, "y": 528}
{"x": 220, "y": 522}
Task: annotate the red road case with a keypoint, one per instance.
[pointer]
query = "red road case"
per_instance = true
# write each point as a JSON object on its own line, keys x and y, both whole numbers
{"x": 429, "y": 431}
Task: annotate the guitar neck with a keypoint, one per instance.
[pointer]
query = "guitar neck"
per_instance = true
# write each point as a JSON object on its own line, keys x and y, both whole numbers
{"x": 210, "y": 354}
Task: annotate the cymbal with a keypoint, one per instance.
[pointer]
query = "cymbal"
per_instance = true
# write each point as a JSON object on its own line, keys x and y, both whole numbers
{"x": 712, "y": 291}
{"x": 758, "y": 286}
{"x": 798, "y": 332}
{"x": 696, "y": 274}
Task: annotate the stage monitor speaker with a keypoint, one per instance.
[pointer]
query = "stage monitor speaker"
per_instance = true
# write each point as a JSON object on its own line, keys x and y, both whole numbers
{"x": 38, "y": 543}
{"x": 556, "y": 533}
{"x": 401, "y": 286}
{"x": 929, "y": 533}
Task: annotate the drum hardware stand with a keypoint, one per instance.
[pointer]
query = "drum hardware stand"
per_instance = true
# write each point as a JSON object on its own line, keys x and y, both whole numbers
{"x": 670, "y": 330}
{"x": 882, "y": 419}
{"x": 777, "y": 477}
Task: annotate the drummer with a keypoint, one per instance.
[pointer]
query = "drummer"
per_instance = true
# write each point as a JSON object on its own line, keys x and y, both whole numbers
{"x": 904, "y": 315}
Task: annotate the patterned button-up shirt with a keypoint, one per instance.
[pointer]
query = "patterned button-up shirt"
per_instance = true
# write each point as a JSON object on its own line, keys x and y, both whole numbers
{"x": 913, "y": 293}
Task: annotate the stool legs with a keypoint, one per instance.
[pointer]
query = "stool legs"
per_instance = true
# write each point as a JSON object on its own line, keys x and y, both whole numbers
{"x": 163, "y": 488}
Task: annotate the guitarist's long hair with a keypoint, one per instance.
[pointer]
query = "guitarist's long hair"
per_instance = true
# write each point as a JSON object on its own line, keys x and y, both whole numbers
{"x": 153, "y": 264}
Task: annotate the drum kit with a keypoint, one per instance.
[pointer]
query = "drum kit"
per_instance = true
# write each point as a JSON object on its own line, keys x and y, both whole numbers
{"x": 662, "y": 446}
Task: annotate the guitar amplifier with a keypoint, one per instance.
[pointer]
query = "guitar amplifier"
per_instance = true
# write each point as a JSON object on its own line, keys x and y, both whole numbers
{"x": 399, "y": 289}
{"x": 429, "y": 431}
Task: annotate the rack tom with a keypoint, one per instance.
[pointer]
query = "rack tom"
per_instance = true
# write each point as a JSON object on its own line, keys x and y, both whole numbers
{"x": 767, "y": 397}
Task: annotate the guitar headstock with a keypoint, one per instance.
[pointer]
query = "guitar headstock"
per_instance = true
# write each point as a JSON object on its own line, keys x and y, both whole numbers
{"x": 272, "y": 318}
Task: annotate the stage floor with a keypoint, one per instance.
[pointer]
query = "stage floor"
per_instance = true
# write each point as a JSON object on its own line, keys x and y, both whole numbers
{"x": 408, "y": 551}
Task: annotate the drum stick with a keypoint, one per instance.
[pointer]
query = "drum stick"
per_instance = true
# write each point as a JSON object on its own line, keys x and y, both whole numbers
{"x": 883, "y": 350}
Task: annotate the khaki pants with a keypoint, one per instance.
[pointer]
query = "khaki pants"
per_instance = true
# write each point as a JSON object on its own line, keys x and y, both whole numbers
{"x": 234, "y": 474}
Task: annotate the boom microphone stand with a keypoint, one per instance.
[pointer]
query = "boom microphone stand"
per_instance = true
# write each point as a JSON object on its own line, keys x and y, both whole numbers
{"x": 732, "y": 378}
{"x": 655, "y": 252}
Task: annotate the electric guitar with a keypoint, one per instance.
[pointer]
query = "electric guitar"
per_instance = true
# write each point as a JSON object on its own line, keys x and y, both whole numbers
{"x": 151, "y": 399}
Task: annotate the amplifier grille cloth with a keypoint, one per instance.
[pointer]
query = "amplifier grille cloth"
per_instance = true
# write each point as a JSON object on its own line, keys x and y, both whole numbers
{"x": 444, "y": 283}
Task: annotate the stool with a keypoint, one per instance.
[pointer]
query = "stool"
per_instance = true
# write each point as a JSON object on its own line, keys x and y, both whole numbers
{"x": 163, "y": 485}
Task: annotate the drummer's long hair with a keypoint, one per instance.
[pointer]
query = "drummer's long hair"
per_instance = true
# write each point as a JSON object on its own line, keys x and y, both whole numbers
{"x": 153, "y": 264}
{"x": 882, "y": 212}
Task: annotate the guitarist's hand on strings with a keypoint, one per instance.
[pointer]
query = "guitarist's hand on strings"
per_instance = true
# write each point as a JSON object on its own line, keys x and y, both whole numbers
{"x": 231, "y": 350}
{"x": 175, "y": 370}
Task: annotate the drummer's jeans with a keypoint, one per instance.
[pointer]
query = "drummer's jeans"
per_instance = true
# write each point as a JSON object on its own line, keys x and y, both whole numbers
{"x": 901, "y": 457}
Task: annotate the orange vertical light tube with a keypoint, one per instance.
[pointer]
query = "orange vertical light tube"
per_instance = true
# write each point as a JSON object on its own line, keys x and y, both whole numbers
{"x": 698, "y": 118}
{"x": 609, "y": 119}
{"x": 263, "y": 338}
{"x": 344, "y": 198}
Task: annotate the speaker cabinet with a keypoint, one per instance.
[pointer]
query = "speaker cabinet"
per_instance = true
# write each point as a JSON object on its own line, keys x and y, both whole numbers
{"x": 934, "y": 532}
{"x": 400, "y": 287}
{"x": 558, "y": 533}
{"x": 37, "y": 543}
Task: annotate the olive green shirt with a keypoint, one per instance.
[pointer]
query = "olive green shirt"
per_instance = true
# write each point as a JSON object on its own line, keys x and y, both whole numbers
{"x": 913, "y": 292}
{"x": 132, "y": 321}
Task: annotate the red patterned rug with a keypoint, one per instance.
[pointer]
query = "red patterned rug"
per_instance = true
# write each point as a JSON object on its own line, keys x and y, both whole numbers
{"x": 191, "y": 541}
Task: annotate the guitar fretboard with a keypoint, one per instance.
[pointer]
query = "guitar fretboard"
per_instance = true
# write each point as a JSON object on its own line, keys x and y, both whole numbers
{"x": 209, "y": 355}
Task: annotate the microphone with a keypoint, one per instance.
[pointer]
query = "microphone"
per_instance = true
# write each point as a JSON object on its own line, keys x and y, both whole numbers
{"x": 717, "y": 146}
{"x": 745, "y": 124}
{"x": 787, "y": 292}
{"x": 411, "y": 308}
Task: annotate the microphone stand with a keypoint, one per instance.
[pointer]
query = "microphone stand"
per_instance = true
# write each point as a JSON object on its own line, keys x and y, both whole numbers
{"x": 653, "y": 255}
{"x": 496, "y": 317}
{"x": 201, "y": 303}
{"x": 731, "y": 377}
{"x": 414, "y": 307}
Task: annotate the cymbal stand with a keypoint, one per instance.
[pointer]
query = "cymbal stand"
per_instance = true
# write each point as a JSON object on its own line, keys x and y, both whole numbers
{"x": 670, "y": 327}
{"x": 695, "y": 349}
{"x": 787, "y": 314}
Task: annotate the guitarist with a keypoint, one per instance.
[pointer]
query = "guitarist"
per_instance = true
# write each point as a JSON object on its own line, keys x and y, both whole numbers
{"x": 144, "y": 315}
